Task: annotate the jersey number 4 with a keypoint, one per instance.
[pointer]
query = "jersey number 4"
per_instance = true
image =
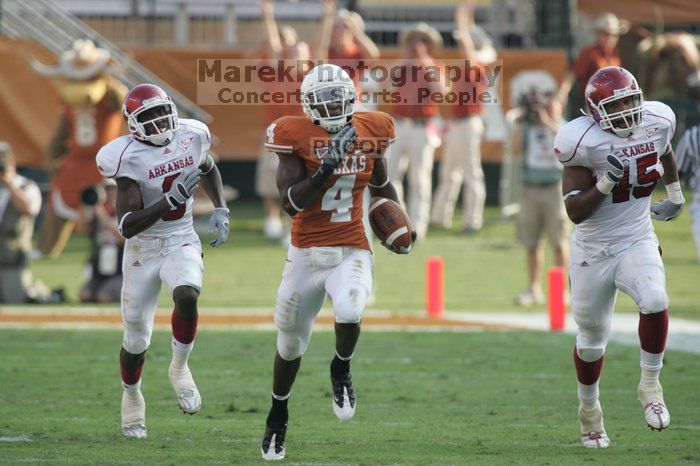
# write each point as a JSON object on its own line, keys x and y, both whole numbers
{"x": 179, "y": 211}
{"x": 647, "y": 179}
{"x": 338, "y": 198}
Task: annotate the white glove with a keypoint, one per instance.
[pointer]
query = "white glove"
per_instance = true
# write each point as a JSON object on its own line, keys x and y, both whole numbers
{"x": 219, "y": 221}
{"x": 667, "y": 209}
{"x": 183, "y": 187}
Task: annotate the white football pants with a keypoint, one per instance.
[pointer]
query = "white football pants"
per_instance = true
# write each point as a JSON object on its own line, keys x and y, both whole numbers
{"x": 597, "y": 271}
{"x": 175, "y": 260}
{"x": 345, "y": 274}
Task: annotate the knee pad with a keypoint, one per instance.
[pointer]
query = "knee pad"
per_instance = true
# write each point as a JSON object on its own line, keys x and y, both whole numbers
{"x": 653, "y": 300}
{"x": 137, "y": 337}
{"x": 291, "y": 346}
{"x": 591, "y": 343}
{"x": 348, "y": 309}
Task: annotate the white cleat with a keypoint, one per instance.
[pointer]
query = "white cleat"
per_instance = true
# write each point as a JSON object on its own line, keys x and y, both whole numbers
{"x": 343, "y": 397}
{"x": 655, "y": 411}
{"x": 273, "y": 443}
{"x": 187, "y": 394}
{"x": 592, "y": 430}
{"x": 133, "y": 415}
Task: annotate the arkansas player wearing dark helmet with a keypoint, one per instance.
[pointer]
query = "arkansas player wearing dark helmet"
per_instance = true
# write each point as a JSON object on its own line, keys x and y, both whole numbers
{"x": 157, "y": 169}
{"x": 613, "y": 159}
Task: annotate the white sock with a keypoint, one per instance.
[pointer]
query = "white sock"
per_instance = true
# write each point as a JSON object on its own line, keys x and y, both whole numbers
{"x": 649, "y": 379}
{"x": 132, "y": 388}
{"x": 181, "y": 353}
{"x": 588, "y": 394}
{"x": 651, "y": 361}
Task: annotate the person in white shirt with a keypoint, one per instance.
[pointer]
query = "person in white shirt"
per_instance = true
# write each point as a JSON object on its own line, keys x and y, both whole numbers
{"x": 613, "y": 159}
{"x": 157, "y": 168}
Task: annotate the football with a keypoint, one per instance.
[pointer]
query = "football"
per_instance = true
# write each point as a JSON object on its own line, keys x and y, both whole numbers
{"x": 389, "y": 222}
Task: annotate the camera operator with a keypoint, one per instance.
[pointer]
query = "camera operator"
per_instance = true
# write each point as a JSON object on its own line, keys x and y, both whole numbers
{"x": 20, "y": 202}
{"x": 98, "y": 219}
{"x": 538, "y": 118}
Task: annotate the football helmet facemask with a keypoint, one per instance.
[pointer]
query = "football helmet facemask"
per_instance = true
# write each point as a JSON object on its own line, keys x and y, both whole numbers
{"x": 611, "y": 85}
{"x": 328, "y": 97}
{"x": 150, "y": 114}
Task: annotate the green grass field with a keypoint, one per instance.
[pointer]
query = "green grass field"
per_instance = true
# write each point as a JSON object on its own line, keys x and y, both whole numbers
{"x": 423, "y": 398}
{"x": 484, "y": 272}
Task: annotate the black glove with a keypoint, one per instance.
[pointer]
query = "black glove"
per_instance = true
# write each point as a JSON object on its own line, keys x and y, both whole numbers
{"x": 334, "y": 156}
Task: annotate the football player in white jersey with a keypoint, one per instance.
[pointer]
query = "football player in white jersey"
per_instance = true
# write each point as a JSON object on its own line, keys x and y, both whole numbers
{"x": 157, "y": 168}
{"x": 613, "y": 159}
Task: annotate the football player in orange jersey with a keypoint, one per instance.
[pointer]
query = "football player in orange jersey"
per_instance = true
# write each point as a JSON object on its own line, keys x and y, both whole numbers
{"x": 327, "y": 159}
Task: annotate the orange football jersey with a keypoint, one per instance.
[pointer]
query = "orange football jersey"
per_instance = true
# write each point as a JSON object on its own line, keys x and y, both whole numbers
{"x": 334, "y": 216}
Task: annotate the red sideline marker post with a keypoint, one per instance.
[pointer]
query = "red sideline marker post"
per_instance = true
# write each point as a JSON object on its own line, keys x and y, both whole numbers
{"x": 435, "y": 286}
{"x": 557, "y": 307}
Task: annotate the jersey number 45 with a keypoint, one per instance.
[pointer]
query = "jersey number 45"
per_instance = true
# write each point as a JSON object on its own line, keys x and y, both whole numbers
{"x": 647, "y": 177}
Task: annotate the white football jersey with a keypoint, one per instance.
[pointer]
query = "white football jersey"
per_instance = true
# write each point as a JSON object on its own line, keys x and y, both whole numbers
{"x": 155, "y": 168}
{"x": 624, "y": 214}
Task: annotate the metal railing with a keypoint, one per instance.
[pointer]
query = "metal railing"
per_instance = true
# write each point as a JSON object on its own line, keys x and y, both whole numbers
{"x": 56, "y": 29}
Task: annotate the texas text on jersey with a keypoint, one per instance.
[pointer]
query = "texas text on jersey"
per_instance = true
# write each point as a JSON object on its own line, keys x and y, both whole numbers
{"x": 334, "y": 217}
{"x": 155, "y": 168}
{"x": 624, "y": 215}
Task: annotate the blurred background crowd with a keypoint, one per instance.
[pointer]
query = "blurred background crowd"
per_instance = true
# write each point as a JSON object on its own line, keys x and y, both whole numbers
{"x": 67, "y": 64}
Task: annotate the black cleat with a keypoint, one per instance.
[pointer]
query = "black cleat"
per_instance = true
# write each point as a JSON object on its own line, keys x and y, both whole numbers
{"x": 273, "y": 443}
{"x": 343, "y": 397}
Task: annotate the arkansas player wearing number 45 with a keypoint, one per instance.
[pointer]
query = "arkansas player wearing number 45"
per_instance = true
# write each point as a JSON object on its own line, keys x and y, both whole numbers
{"x": 327, "y": 159}
{"x": 157, "y": 169}
{"x": 613, "y": 158}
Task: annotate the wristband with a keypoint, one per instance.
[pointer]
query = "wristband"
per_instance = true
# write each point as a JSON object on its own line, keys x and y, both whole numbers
{"x": 675, "y": 193}
{"x": 605, "y": 185}
{"x": 319, "y": 177}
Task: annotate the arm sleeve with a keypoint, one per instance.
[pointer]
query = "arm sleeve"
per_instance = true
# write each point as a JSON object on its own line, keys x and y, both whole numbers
{"x": 278, "y": 137}
{"x": 112, "y": 159}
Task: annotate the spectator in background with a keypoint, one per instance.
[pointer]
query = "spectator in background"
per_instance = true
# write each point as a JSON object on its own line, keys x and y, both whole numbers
{"x": 98, "y": 220}
{"x": 417, "y": 137}
{"x": 91, "y": 117}
{"x": 20, "y": 202}
{"x": 536, "y": 122}
{"x": 604, "y": 53}
{"x": 344, "y": 42}
{"x": 688, "y": 160}
{"x": 461, "y": 156}
{"x": 283, "y": 46}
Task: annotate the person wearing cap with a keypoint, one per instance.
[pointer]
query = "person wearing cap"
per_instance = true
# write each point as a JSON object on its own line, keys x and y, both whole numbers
{"x": 344, "y": 41}
{"x": 91, "y": 117}
{"x": 460, "y": 166}
{"x": 20, "y": 202}
{"x": 415, "y": 116}
{"x": 283, "y": 47}
{"x": 608, "y": 28}
{"x": 97, "y": 219}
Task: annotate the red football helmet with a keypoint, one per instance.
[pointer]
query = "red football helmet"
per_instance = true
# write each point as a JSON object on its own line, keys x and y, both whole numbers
{"x": 611, "y": 84}
{"x": 150, "y": 114}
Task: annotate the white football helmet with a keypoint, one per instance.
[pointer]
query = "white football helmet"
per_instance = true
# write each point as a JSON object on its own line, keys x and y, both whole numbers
{"x": 328, "y": 97}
